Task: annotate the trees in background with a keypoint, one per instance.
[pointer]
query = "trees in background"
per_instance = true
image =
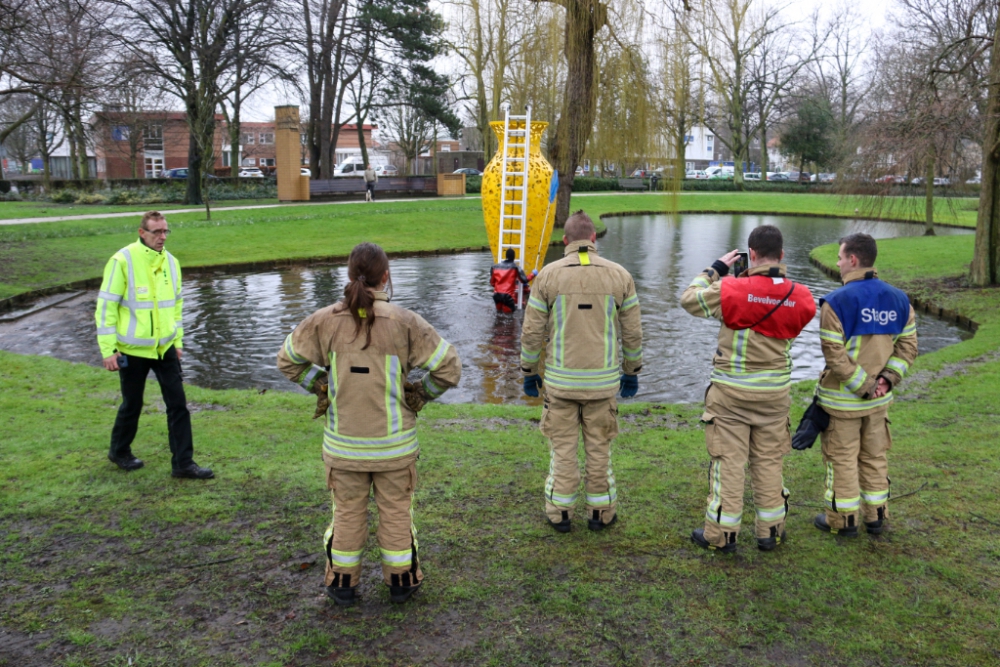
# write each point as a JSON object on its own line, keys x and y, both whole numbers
{"x": 809, "y": 136}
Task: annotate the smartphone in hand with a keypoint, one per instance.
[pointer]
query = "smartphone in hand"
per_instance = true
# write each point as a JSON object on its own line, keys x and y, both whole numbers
{"x": 741, "y": 264}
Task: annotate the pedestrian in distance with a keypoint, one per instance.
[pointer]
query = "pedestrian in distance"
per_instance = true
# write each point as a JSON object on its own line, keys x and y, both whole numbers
{"x": 504, "y": 278}
{"x": 747, "y": 402}
{"x": 581, "y": 304}
{"x": 139, "y": 330}
{"x": 868, "y": 334}
{"x": 371, "y": 178}
{"x": 355, "y": 356}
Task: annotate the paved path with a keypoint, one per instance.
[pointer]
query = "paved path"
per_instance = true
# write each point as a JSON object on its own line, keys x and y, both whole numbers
{"x": 129, "y": 214}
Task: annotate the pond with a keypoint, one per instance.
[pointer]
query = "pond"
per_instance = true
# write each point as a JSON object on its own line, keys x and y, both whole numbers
{"x": 235, "y": 322}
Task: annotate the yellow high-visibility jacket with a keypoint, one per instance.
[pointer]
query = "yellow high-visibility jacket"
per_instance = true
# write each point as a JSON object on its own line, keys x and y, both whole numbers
{"x": 139, "y": 305}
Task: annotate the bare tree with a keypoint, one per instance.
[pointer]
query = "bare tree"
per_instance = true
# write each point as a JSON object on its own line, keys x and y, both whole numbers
{"x": 410, "y": 130}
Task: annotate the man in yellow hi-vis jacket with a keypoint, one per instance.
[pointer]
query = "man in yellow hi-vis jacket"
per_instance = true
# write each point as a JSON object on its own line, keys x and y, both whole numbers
{"x": 580, "y": 304}
{"x": 139, "y": 329}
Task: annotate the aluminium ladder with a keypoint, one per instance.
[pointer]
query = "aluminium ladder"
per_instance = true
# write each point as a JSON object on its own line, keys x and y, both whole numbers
{"x": 514, "y": 189}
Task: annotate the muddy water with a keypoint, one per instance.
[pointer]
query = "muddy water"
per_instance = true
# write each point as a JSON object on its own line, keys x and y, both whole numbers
{"x": 235, "y": 323}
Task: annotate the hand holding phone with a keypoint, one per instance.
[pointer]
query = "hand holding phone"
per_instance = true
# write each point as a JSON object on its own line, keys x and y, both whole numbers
{"x": 741, "y": 264}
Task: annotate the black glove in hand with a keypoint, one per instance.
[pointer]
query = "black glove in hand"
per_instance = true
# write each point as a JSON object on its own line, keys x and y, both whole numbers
{"x": 415, "y": 396}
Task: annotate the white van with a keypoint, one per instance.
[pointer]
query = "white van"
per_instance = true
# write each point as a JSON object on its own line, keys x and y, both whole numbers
{"x": 720, "y": 172}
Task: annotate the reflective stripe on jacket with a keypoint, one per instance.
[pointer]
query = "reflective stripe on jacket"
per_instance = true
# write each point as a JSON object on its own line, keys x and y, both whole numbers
{"x": 582, "y": 303}
{"x": 747, "y": 364}
{"x": 139, "y": 305}
{"x": 854, "y": 363}
{"x": 369, "y": 425}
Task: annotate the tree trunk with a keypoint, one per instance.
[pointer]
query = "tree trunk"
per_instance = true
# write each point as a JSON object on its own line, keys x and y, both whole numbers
{"x": 584, "y": 18}
{"x": 985, "y": 268}
{"x": 361, "y": 141}
{"x": 929, "y": 195}
{"x": 763, "y": 153}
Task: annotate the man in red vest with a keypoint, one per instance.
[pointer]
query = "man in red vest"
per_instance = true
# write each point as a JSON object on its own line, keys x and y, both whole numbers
{"x": 746, "y": 406}
{"x": 504, "y": 277}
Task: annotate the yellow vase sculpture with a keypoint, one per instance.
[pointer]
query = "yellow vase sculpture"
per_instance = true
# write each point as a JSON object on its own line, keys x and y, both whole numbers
{"x": 541, "y": 215}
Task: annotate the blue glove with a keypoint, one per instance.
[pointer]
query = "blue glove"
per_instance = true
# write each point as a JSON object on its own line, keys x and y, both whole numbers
{"x": 629, "y": 385}
{"x": 532, "y": 383}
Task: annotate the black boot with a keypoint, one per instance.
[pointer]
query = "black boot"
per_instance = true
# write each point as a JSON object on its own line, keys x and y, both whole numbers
{"x": 595, "y": 523}
{"x": 876, "y": 527}
{"x": 400, "y": 588}
{"x": 821, "y": 523}
{"x": 342, "y": 596}
{"x": 127, "y": 462}
{"x": 563, "y": 526}
{"x": 698, "y": 537}
{"x": 772, "y": 542}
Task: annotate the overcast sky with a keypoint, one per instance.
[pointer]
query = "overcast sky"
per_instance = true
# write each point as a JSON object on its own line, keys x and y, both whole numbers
{"x": 261, "y": 106}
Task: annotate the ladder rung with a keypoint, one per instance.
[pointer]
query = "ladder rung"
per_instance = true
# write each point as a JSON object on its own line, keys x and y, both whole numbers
{"x": 518, "y": 216}
{"x": 515, "y": 133}
{"x": 513, "y": 187}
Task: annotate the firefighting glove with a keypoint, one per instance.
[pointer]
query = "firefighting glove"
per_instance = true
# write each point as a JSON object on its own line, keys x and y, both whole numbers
{"x": 532, "y": 383}
{"x": 629, "y": 385}
{"x": 415, "y": 396}
{"x": 321, "y": 388}
{"x": 814, "y": 421}
{"x": 720, "y": 267}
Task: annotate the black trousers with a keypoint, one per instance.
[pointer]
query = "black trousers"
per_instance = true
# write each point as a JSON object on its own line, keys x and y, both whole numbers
{"x": 133, "y": 382}
{"x": 370, "y": 186}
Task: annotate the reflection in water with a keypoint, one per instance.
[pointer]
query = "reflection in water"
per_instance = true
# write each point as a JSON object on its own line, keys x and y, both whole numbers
{"x": 235, "y": 323}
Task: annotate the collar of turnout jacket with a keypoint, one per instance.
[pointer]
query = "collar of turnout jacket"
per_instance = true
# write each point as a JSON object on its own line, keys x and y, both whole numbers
{"x": 369, "y": 421}
{"x": 582, "y": 303}
{"x": 139, "y": 304}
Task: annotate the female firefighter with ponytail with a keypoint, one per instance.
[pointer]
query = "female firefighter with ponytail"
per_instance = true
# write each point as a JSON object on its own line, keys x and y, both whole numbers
{"x": 356, "y": 355}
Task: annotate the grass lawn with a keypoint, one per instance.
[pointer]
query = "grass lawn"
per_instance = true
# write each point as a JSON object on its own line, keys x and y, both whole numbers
{"x": 44, "y": 255}
{"x": 32, "y": 209}
{"x": 100, "y": 567}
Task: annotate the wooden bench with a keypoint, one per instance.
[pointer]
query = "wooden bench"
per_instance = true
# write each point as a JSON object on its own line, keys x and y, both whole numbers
{"x": 631, "y": 184}
{"x": 349, "y": 185}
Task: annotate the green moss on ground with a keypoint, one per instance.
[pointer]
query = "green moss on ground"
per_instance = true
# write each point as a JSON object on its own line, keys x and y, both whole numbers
{"x": 103, "y": 567}
{"x": 43, "y": 255}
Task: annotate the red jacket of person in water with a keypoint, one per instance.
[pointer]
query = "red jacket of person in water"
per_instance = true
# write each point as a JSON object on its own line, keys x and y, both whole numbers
{"x": 503, "y": 279}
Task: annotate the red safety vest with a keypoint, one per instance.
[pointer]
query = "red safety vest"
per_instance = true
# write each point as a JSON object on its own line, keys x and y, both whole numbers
{"x": 746, "y": 300}
{"x": 504, "y": 281}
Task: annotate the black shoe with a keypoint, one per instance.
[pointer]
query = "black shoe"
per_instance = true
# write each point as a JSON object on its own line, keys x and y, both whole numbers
{"x": 596, "y": 524}
{"x": 698, "y": 537}
{"x": 563, "y": 526}
{"x": 193, "y": 471}
{"x": 770, "y": 543}
{"x": 821, "y": 523}
{"x": 876, "y": 527}
{"x": 127, "y": 462}
{"x": 341, "y": 596}
{"x": 399, "y": 594}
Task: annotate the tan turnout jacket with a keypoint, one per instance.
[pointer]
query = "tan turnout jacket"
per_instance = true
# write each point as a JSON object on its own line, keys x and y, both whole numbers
{"x": 874, "y": 355}
{"x": 582, "y": 304}
{"x": 745, "y": 357}
{"x": 369, "y": 426}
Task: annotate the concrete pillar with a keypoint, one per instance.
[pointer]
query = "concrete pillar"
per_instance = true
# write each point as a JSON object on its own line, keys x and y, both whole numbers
{"x": 292, "y": 186}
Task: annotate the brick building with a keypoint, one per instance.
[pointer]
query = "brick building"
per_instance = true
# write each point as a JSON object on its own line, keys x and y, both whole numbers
{"x": 141, "y": 145}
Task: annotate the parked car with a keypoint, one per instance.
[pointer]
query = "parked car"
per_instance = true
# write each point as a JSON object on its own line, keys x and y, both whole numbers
{"x": 975, "y": 180}
{"x": 468, "y": 171}
{"x": 943, "y": 181}
{"x": 919, "y": 180}
{"x": 719, "y": 173}
{"x": 386, "y": 170}
{"x": 305, "y": 171}
{"x": 799, "y": 176}
{"x": 578, "y": 172}
{"x": 779, "y": 176}
{"x": 251, "y": 172}
{"x": 174, "y": 173}
{"x": 751, "y": 176}
{"x": 348, "y": 169}
{"x": 697, "y": 174}
{"x": 889, "y": 178}
{"x": 826, "y": 178}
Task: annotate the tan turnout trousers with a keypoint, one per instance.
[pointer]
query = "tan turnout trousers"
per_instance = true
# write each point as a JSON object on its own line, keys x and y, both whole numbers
{"x": 348, "y": 532}
{"x": 855, "y": 452}
{"x": 737, "y": 432}
{"x": 562, "y": 421}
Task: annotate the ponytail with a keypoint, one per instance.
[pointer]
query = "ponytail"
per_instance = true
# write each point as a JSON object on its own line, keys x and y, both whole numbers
{"x": 365, "y": 268}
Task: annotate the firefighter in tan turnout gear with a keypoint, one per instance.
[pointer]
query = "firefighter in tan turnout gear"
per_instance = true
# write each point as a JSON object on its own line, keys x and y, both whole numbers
{"x": 869, "y": 337}
{"x": 747, "y": 402}
{"x": 355, "y": 355}
{"x": 581, "y": 304}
